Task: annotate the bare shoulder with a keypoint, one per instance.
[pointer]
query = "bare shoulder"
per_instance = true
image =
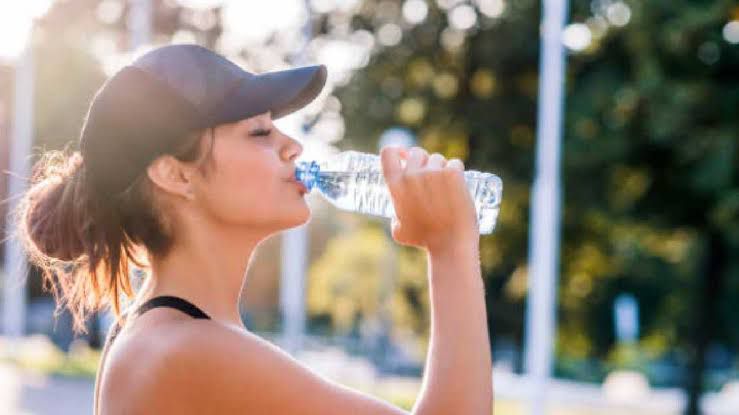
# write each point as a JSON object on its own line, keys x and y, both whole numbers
{"x": 205, "y": 367}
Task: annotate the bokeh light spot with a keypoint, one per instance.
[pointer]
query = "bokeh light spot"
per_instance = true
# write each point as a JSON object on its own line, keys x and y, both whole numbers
{"x": 619, "y": 14}
{"x": 483, "y": 83}
{"x": 446, "y": 85}
{"x": 731, "y": 32}
{"x": 491, "y": 8}
{"x": 411, "y": 111}
{"x": 576, "y": 37}
{"x": 389, "y": 34}
{"x": 415, "y": 11}
{"x": 463, "y": 17}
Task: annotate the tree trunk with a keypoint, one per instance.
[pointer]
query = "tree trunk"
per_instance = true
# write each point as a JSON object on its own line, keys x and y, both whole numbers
{"x": 704, "y": 324}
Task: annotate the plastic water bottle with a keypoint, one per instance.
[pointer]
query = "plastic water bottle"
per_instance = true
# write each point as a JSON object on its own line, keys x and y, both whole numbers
{"x": 354, "y": 181}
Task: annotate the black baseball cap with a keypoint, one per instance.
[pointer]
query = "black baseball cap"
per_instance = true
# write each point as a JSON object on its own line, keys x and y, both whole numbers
{"x": 150, "y": 106}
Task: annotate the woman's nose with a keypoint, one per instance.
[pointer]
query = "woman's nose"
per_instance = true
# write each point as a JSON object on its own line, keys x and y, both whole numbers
{"x": 292, "y": 149}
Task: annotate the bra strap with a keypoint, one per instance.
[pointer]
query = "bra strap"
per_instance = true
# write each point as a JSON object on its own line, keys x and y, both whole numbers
{"x": 172, "y": 302}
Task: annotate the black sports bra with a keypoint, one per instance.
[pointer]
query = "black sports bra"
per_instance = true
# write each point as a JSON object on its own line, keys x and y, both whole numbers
{"x": 161, "y": 301}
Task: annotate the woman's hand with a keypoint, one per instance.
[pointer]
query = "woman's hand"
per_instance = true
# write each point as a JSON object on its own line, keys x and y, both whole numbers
{"x": 433, "y": 206}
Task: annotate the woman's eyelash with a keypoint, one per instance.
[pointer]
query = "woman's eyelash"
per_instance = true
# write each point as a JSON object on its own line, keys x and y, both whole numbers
{"x": 261, "y": 132}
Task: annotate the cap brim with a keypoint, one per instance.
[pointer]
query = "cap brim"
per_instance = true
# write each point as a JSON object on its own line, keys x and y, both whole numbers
{"x": 281, "y": 92}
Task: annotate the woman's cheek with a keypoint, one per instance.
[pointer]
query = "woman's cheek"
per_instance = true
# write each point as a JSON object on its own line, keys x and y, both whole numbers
{"x": 252, "y": 200}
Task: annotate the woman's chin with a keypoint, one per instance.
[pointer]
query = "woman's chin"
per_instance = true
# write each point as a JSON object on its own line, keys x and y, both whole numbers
{"x": 290, "y": 218}
{"x": 300, "y": 218}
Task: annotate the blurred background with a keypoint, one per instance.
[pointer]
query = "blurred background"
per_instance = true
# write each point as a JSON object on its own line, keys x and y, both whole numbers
{"x": 616, "y": 293}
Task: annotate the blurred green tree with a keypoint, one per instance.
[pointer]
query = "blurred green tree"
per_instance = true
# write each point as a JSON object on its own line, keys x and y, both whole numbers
{"x": 467, "y": 95}
{"x": 650, "y": 157}
{"x": 352, "y": 282}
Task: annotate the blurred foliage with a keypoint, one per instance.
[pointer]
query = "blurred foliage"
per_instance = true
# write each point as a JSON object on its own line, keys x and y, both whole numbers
{"x": 474, "y": 100}
{"x": 356, "y": 279}
{"x": 38, "y": 354}
{"x": 649, "y": 168}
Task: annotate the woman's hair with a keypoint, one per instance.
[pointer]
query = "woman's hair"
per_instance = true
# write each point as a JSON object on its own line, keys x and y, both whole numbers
{"x": 85, "y": 242}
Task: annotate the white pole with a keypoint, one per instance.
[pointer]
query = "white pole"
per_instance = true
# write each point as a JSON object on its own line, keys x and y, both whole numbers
{"x": 295, "y": 254}
{"x": 16, "y": 266}
{"x": 545, "y": 207}
{"x": 139, "y": 24}
{"x": 292, "y": 288}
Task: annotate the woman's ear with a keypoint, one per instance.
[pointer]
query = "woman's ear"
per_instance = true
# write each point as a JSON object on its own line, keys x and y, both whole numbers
{"x": 172, "y": 176}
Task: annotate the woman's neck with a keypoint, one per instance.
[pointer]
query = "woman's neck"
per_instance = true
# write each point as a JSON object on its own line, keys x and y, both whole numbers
{"x": 207, "y": 268}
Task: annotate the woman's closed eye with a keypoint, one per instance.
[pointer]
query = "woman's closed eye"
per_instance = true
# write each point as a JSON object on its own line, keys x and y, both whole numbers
{"x": 261, "y": 132}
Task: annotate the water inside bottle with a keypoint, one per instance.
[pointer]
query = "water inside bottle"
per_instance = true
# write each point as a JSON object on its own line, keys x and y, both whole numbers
{"x": 355, "y": 183}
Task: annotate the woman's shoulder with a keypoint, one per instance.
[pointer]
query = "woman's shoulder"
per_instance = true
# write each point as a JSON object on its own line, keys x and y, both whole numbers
{"x": 168, "y": 363}
{"x": 155, "y": 344}
{"x": 201, "y": 366}
{"x": 145, "y": 363}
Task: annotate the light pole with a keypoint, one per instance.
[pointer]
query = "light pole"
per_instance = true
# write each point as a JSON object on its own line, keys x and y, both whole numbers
{"x": 541, "y": 305}
{"x": 139, "y": 24}
{"x": 16, "y": 266}
{"x": 16, "y": 47}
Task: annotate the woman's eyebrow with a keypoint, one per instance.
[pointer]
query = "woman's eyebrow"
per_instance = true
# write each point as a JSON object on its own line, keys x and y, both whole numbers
{"x": 257, "y": 124}
{"x": 260, "y": 128}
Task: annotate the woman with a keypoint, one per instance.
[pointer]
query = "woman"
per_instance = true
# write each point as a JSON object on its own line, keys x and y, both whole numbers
{"x": 181, "y": 172}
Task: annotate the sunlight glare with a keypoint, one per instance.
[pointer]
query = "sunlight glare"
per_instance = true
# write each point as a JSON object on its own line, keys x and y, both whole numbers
{"x": 200, "y": 4}
{"x": 109, "y": 11}
{"x": 16, "y": 20}
{"x": 14, "y": 34}
{"x": 34, "y": 8}
{"x": 253, "y": 25}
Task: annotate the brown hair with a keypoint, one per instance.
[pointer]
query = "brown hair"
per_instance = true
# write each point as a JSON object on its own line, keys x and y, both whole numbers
{"x": 84, "y": 242}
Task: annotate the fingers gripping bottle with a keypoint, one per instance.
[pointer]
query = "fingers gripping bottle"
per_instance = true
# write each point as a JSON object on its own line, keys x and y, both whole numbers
{"x": 353, "y": 181}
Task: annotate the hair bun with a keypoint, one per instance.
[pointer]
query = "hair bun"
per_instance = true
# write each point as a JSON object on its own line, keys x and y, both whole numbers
{"x": 55, "y": 212}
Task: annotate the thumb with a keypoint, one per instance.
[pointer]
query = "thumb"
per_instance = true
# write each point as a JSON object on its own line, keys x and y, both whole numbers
{"x": 391, "y": 167}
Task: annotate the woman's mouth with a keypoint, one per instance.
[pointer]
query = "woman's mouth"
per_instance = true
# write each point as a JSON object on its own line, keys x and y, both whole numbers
{"x": 301, "y": 187}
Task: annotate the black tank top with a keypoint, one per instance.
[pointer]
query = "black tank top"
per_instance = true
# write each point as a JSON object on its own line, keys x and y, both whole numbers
{"x": 161, "y": 301}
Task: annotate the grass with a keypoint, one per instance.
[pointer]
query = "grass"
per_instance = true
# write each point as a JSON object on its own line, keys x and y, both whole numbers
{"x": 39, "y": 355}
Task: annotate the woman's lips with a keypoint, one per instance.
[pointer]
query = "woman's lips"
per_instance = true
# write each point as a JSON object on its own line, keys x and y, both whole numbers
{"x": 301, "y": 187}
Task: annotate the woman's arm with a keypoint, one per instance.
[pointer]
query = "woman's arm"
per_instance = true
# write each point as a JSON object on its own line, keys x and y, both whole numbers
{"x": 206, "y": 368}
{"x": 435, "y": 211}
{"x": 458, "y": 377}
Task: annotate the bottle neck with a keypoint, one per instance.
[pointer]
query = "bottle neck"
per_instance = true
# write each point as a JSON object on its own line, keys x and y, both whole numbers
{"x": 307, "y": 173}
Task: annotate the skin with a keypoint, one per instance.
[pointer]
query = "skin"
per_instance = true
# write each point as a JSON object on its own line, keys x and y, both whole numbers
{"x": 166, "y": 362}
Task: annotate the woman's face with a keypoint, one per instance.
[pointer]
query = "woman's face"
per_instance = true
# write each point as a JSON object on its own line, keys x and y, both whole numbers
{"x": 250, "y": 177}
